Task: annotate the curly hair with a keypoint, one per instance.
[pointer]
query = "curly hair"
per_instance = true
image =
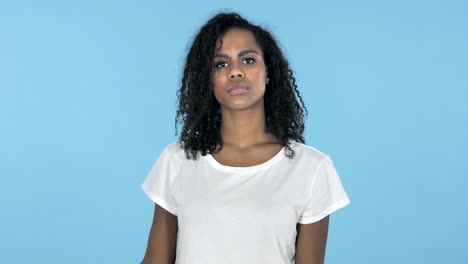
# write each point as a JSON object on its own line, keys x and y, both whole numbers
{"x": 198, "y": 110}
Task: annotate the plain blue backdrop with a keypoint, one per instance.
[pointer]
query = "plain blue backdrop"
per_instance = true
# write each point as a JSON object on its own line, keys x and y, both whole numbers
{"x": 87, "y": 102}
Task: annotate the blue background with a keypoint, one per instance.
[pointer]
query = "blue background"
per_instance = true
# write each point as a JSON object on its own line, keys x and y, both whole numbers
{"x": 87, "y": 102}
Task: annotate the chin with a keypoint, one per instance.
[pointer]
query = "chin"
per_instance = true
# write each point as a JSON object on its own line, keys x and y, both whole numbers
{"x": 242, "y": 105}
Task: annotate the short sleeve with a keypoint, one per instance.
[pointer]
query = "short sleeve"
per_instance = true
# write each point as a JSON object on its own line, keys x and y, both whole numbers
{"x": 327, "y": 194}
{"x": 157, "y": 184}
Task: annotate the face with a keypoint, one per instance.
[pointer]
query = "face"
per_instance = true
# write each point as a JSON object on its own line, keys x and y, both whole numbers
{"x": 239, "y": 76}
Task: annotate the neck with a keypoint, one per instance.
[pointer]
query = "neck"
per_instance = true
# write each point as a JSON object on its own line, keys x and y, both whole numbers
{"x": 245, "y": 128}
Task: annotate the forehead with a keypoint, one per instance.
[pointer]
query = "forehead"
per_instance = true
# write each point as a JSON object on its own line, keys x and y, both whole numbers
{"x": 237, "y": 39}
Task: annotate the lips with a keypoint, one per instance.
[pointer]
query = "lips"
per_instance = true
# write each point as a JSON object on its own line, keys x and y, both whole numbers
{"x": 238, "y": 88}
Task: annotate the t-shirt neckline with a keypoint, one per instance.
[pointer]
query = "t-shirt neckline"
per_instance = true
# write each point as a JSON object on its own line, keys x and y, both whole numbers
{"x": 213, "y": 162}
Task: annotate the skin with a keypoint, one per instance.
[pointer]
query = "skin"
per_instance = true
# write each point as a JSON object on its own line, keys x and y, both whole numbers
{"x": 246, "y": 143}
{"x": 311, "y": 242}
{"x": 162, "y": 241}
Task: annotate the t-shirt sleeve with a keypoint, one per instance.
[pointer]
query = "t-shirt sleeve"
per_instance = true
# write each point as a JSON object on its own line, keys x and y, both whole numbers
{"x": 157, "y": 184}
{"x": 327, "y": 193}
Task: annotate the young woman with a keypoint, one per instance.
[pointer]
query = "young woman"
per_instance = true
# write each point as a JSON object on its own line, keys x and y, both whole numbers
{"x": 240, "y": 185}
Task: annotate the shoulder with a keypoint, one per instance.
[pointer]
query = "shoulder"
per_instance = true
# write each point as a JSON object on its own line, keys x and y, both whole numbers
{"x": 308, "y": 153}
{"x": 303, "y": 152}
{"x": 175, "y": 151}
{"x": 174, "y": 147}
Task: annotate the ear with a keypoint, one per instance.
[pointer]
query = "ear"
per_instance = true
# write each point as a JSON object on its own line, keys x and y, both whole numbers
{"x": 266, "y": 75}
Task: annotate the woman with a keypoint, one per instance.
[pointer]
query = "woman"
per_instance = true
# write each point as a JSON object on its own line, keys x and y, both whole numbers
{"x": 240, "y": 185}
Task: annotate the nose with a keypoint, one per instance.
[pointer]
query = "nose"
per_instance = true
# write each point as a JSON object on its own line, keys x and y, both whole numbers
{"x": 236, "y": 72}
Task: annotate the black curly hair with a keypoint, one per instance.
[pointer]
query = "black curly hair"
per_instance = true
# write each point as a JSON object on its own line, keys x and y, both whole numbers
{"x": 198, "y": 110}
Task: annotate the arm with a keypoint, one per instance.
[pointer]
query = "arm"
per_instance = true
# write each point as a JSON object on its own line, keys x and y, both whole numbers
{"x": 162, "y": 239}
{"x": 311, "y": 242}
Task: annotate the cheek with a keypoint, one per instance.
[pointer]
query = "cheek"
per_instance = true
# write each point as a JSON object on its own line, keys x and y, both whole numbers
{"x": 217, "y": 84}
{"x": 261, "y": 77}
{"x": 215, "y": 75}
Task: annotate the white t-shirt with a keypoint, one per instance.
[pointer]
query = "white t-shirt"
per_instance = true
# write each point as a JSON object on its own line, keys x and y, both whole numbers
{"x": 243, "y": 215}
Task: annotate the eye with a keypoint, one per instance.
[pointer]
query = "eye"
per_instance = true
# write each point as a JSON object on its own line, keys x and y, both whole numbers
{"x": 249, "y": 60}
{"x": 220, "y": 64}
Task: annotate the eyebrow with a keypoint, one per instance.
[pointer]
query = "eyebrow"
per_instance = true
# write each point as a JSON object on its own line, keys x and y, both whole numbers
{"x": 242, "y": 53}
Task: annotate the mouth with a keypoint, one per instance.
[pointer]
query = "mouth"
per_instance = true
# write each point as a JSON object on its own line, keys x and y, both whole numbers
{"x": 238, "y": 88}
